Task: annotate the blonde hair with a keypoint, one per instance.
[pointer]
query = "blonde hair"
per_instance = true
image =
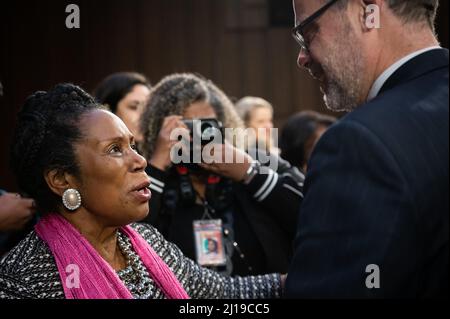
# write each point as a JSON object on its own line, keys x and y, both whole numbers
{"x": 246, "y": 105}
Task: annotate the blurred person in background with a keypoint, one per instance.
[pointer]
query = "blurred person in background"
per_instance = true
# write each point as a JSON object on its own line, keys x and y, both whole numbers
{"x": 257, "y": 114}
{"x": 252, "y": 206}
{"x": 300, "y": 134}
{"x": 125, "y": 94}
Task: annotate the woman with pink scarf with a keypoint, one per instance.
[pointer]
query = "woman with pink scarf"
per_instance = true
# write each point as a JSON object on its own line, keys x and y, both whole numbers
{"x": 80, "y": 164}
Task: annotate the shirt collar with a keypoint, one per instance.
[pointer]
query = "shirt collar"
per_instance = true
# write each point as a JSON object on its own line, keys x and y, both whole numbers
{"x": 378, "y": 84}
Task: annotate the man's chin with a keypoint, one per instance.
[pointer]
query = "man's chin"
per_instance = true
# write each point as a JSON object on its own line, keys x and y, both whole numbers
{"x": 330, "y": 100}
{"x": 336, "y": 104}
{"x": 327, "y": 103}
{"x": 325, "y": 88}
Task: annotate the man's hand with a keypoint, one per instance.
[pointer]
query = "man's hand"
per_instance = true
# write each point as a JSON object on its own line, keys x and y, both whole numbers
{"x": 15, "y": 212}
{"x": 227, "y": 161}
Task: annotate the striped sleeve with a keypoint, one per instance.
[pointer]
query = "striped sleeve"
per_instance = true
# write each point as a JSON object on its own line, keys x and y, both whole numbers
{"x": 268, "y": 180}
{"x": 280, "y": 193}
{"x": 157, "y": 179}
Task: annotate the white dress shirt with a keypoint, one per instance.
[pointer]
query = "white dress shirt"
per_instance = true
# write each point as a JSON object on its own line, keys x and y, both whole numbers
{"x": 378, "y": 84}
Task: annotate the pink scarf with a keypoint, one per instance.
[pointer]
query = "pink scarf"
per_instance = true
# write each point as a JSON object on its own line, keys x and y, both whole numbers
{"x": 86, "y": 275}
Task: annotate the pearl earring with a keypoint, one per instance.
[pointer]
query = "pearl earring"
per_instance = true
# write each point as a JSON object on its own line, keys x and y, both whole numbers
{"x": 71, "y": 199}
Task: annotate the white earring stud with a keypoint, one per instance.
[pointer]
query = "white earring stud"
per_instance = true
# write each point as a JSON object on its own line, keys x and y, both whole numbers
{"x": 71, "y": 199}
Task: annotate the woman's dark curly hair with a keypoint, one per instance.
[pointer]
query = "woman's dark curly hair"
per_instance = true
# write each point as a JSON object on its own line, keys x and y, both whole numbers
{"x": 176, "y": 92}
{"x": 48, "y": 127}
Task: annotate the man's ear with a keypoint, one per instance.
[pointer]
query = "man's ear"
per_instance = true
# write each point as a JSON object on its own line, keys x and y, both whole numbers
{"x": 59, "y": 181}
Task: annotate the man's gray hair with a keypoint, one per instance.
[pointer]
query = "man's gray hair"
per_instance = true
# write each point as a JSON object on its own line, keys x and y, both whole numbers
{"x": 415, "y": 10}
{"x": 410, "y": 10}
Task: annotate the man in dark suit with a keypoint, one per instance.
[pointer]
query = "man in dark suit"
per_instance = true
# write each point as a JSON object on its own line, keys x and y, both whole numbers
{"x": 374, "y": 220}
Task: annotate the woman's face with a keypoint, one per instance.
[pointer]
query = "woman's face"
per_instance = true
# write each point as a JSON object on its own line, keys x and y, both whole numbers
{"x": 212, "y": 245}
{"x": 131, "y": 107}
{"x": 261, "y": 117}
{"x": 113, "y": 182}
{"x": 199, "y": 110}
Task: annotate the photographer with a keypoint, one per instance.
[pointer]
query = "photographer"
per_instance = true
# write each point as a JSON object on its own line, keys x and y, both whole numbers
{"x": 250, "y": 208}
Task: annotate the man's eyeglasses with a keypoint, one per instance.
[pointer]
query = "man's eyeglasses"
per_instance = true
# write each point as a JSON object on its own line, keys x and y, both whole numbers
{"x": 298, "y": 31}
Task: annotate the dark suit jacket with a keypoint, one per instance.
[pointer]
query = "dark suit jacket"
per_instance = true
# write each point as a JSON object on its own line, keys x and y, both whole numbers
{"x": 377, "y": 193}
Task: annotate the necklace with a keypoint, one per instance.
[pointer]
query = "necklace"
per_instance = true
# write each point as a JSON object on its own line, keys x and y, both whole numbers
{"x": 135, "y": 276}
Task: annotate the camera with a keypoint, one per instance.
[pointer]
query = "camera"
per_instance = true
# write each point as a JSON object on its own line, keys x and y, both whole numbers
{"x": 202, "y": 132}
{"x": 205, "y": 130}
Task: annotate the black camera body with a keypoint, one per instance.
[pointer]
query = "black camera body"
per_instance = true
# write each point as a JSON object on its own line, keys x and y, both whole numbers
{"x": 205, "y": 130}
{"x": 202, "y": 132}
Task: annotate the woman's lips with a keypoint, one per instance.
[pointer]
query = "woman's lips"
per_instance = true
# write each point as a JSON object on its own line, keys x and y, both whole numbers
{"x": 142, "y": 195}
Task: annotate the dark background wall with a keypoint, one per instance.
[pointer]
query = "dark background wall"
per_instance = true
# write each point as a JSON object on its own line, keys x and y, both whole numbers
{"x": 244, "y": 46}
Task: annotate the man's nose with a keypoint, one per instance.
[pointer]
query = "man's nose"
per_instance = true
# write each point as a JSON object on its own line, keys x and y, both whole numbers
{"x": 303, "y": 59}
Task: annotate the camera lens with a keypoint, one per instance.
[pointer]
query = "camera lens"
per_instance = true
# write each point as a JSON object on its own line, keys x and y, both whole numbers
{"x": 209, "y": 133}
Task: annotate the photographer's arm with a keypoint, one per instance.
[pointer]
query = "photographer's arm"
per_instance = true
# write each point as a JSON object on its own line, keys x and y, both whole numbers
{"x": 279, "y": 192}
